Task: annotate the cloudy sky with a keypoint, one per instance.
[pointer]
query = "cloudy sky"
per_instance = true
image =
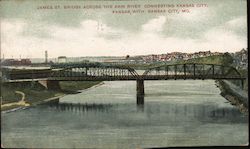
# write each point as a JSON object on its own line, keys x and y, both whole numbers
{"x": 27, "y": 31}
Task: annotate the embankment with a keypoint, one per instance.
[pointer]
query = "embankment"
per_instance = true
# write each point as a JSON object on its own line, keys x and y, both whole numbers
{"x": 234, "y": 94}
{"x": 35, "y": 93}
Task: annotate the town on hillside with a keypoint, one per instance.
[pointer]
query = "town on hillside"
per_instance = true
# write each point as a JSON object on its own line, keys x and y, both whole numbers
{"x": 240, "y": 58}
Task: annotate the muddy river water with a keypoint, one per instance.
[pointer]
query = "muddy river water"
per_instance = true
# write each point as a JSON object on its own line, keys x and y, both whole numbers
{"x": 175, "y": 113}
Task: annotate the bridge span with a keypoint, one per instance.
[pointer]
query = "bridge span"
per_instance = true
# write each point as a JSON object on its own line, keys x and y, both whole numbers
{"x": 101, "y": 72}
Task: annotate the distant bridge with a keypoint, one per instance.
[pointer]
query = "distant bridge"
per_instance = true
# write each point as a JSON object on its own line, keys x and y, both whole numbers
{"x": 102, "y": 72}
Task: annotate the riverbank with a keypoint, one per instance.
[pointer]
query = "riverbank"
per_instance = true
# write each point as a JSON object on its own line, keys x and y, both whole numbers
{"x": 35, "y": 93}
{"x": 234, "y": 95}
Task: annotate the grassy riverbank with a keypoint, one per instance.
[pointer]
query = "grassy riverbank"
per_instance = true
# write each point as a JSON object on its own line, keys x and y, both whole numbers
{"x": 35, "y": 92}
{"x": 235, "y": 95}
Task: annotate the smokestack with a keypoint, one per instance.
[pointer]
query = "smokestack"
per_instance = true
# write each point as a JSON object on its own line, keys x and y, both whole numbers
{"x": 46, "y": 57}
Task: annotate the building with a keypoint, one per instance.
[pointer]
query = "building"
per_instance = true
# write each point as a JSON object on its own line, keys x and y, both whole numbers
{"x": 62, "y": 59}
{"x": 14, "y": 62}
{"x": 25, "y": 61}
{"x": 241, "y": 58}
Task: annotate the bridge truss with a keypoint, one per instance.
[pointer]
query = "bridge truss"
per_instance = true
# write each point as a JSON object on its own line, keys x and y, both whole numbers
{"x": 102, "y": 72}
{"x": 191, "y": 71}
{"x": 92, "y": 72}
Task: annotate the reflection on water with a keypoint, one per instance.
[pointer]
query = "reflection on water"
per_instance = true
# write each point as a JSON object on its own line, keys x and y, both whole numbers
{"x": 140, "y": 100}
{"x": 80, "y": 107}
{"x": 175, "y": 113}
{"x": 203, "y": 113}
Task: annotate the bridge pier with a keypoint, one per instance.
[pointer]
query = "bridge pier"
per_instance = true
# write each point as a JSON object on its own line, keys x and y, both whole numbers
{"x": 140, "y": 87}
{"x": 140, "y": 92}
{"x": 53, "y": 85}
{"x": 50, "y": 85}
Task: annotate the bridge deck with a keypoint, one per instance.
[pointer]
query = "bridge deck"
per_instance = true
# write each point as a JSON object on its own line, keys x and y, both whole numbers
{"x": 125, "y": 78}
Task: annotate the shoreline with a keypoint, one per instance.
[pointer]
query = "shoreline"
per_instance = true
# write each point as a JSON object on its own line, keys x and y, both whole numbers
{"x": 33, "y": 104}
{"x": 94, "y": 86}
{"x": 227, "y": 92}
{"x": 43, "y": 101}
{"x": 239, "y": 100}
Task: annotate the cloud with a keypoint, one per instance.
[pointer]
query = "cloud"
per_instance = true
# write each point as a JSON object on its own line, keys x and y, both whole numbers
{"x": 221, "y": 38}
{"x": 195, "y": 15}
{"x": 237, "y": 23}
{"x": 154, "y": 25}
{"x": 88, "y": 39}
{"x": 229, "y": 36}
{"x": 95, "y": 38}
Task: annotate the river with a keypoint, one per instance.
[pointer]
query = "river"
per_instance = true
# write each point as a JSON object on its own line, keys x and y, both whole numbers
{"x": 175, "y": 113}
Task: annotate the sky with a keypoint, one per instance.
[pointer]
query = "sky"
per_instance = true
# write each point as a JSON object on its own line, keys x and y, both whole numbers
{"x": 27, "y": 31}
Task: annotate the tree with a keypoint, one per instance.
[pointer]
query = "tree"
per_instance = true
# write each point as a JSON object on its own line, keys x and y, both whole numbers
{"x": 227, "y": 59}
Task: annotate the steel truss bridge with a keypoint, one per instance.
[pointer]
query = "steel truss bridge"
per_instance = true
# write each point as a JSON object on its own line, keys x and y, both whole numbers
{"x": 102, "y": 72}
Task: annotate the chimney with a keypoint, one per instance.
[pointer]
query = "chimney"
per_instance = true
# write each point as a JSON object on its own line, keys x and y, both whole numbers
{"x": 46, "y": 57}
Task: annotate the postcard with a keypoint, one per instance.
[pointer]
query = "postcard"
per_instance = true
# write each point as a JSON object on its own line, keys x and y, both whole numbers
{"x": 126, "y": 74}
